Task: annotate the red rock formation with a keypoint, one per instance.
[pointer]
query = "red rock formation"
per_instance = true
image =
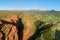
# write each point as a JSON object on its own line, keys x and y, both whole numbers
{"x": 9, "y": 27}
{"x": 12, "y": 28}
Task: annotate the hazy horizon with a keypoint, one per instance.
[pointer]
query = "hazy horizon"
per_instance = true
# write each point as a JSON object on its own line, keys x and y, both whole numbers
{"x": 29, "y": 4}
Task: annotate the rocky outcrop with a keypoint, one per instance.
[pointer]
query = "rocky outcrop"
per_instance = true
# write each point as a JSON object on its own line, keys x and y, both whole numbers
{"x": 11, "y": 28}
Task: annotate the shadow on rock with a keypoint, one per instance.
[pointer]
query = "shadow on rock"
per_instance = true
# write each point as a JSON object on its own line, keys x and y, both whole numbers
{"x": 19, "y": 26}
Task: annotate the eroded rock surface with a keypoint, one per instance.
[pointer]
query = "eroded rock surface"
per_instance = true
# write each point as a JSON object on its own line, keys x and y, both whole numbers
{"x": 11, "y": 28}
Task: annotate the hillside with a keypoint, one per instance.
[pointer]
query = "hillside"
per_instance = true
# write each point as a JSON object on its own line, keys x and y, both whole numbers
{"x": 30, "y": 25}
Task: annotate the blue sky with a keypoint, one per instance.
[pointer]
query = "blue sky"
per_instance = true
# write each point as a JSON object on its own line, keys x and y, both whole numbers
{"x": 28, "y": 4}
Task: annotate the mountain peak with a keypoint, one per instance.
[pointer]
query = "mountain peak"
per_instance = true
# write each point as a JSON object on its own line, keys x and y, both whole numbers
{"x": 35, "y": 9}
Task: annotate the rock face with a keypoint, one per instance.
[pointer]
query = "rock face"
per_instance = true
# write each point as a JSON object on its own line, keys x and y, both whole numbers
{"x": 28, "y": 32}
{"x": 11, "y": 28}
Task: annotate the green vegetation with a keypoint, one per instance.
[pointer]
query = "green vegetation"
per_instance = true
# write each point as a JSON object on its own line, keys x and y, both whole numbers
{"x": 45, "y": 23}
